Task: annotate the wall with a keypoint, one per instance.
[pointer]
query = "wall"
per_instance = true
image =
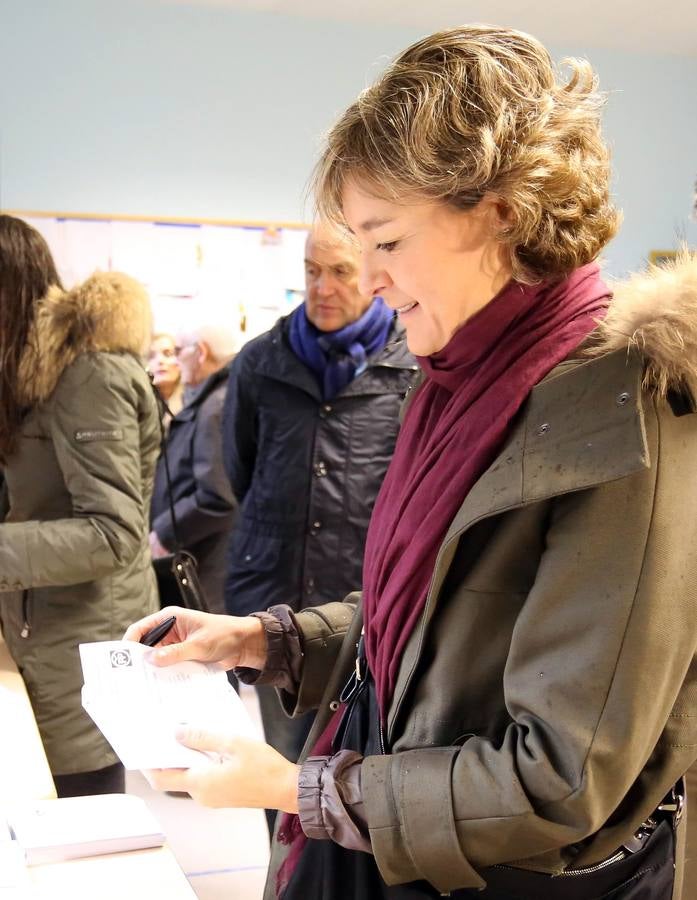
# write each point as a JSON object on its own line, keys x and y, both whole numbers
{"x": 206, "y": 112}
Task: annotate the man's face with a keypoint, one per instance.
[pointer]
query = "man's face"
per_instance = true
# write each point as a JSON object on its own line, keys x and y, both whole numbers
{"x": 332, "y": 298}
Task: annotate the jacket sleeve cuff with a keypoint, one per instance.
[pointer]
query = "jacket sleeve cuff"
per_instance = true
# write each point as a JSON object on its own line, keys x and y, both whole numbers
{"x": 284, "y": 653}
{"x": 411, "y": 820}
{"x": 330, "y": 803}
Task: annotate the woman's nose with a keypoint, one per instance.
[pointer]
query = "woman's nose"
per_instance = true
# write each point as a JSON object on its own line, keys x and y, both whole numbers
{"x": 372, "y": 279}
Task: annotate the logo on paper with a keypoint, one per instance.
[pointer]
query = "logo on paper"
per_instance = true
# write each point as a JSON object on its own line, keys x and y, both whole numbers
{"x": 120, "y": 658}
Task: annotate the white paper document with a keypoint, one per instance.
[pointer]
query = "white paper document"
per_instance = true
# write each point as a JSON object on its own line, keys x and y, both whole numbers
{"x": 138, "y": 706}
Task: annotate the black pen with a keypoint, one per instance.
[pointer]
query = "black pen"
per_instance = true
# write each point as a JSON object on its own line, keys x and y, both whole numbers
{"x": 155, "y": 635}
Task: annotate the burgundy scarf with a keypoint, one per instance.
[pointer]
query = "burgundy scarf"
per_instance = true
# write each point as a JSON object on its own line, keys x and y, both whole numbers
{"x": 453, "y": 430}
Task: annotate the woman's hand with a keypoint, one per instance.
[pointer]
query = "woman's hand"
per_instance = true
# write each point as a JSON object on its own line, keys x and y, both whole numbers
{"x": 228, "y": 640}
{"x": 241, "y": 772}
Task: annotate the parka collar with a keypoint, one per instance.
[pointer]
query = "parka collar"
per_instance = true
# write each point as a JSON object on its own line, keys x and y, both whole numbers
{"x": 110, "y": 312}
{"x": 656, "y": 312}
{"x": 583, "y": 424}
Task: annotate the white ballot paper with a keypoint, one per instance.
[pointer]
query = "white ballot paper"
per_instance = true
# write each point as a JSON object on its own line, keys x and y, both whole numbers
{"x": 138, "y": 706}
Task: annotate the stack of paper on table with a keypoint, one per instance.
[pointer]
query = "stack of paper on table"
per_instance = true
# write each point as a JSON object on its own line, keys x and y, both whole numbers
{"x": 54, "y": 830}
{"x": 138, "y": 706}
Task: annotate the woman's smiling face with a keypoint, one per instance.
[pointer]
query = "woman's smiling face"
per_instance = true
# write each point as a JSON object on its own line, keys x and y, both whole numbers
{"x": 435, "y": 264}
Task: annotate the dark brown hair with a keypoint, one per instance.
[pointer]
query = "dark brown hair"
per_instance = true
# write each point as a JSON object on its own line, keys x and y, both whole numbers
{"x": 27, "y": 271}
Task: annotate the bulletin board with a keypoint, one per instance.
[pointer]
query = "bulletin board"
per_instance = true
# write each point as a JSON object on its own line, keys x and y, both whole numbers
{"x": 251, "y": 271}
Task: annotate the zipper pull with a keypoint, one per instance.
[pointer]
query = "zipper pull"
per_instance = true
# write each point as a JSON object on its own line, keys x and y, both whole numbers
{"x": 26, "y": 630}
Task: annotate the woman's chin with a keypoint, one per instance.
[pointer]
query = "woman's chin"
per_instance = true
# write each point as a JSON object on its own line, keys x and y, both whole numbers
{"x": 421, "y": 344}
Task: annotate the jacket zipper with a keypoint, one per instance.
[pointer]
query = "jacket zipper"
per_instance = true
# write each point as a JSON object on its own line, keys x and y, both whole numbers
{"x": 635, "y": 843}
{"x": 26, "y": 626}
{"x": 589, "y": 870}
{"x": 586, "y": 870}
{"x": 381, "y": 736}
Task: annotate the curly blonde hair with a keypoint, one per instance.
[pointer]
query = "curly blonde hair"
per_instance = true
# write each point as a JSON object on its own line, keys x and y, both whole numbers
{"x": 476, "y": 110}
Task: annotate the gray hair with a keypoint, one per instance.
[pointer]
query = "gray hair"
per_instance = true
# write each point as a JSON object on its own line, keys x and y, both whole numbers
{"x": 216, "y": 330}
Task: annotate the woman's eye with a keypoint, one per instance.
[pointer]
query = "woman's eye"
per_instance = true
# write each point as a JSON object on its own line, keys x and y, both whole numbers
{"x": 387, "y": 246}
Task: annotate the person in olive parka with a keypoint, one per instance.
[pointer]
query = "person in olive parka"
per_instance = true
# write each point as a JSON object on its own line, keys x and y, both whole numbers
{"x": 79, "y": 438}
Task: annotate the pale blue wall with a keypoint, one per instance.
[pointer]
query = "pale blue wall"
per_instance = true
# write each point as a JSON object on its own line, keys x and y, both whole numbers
{"x": 198, "y": 111}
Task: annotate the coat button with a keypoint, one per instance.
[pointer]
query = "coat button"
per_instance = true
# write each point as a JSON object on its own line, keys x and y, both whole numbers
{"x": 333, "y": 705}
{"x": 310, "y": 585}
{"x": 622, "y": 398}
{"x": 320, "y": 469}
{"x": 248, "y": 557}
{"x": 544, "y": 428}
{"x": 325, "y": 409}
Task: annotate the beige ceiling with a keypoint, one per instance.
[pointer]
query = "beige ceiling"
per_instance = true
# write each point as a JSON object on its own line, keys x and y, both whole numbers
{"x": 631, "y": 25}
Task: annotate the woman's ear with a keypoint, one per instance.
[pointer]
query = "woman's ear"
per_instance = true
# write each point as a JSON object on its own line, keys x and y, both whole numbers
{"x": 497, "y": 212}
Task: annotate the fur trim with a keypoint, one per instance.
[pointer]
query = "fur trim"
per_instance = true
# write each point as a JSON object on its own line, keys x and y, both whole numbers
{"x": 110, "y": 312}
{"x": 656, "y": 311}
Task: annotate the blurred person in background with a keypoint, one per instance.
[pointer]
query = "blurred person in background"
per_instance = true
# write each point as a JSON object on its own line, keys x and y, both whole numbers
{"x": 163, "y": 367}
{"x": 79, "y": 437}
{"x": 204, "y": 505}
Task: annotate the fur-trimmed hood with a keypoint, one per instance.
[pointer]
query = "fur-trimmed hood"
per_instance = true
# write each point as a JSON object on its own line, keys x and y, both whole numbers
{"x": 656, "y": 311}
{"x": 110, "y": 312}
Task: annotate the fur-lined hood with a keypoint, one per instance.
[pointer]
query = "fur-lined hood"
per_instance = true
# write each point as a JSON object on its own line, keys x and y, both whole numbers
{"x": 656, "y": 311}
{"x": 110, "y": 312}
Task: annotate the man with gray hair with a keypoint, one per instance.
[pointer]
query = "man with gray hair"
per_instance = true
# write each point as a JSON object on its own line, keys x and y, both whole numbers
{"x": 310, "y": 423}
{"x": 204, "y": 506}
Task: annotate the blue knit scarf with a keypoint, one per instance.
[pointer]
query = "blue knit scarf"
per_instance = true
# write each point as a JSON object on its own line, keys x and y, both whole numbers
{"x": 337, "y": 357}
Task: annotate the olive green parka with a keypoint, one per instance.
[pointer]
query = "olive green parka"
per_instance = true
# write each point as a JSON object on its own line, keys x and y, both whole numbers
{"x": 74, "y": 556}
{"x": 546, "y": 699}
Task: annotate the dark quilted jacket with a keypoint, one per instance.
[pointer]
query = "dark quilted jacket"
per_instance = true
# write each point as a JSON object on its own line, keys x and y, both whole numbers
{"x": 306, "y": 473}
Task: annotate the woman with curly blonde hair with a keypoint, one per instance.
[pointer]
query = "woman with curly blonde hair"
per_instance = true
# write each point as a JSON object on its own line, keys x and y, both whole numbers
{"x": 505, "y": 711}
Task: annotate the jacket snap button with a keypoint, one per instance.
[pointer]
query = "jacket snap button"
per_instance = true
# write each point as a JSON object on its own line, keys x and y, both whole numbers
{"x": 316, "y": 524}
{"x": 622, "y": 398}
{"x": 248, "y": 557}
{"x": 334, "y": 705}
{"x": 544, "y": 428}
{"x": 320, "y": 469}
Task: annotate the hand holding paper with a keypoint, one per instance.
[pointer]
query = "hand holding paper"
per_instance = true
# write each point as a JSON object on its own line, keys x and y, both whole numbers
{"x": 237, "y": 772}
{"x": 228, "y": 640}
